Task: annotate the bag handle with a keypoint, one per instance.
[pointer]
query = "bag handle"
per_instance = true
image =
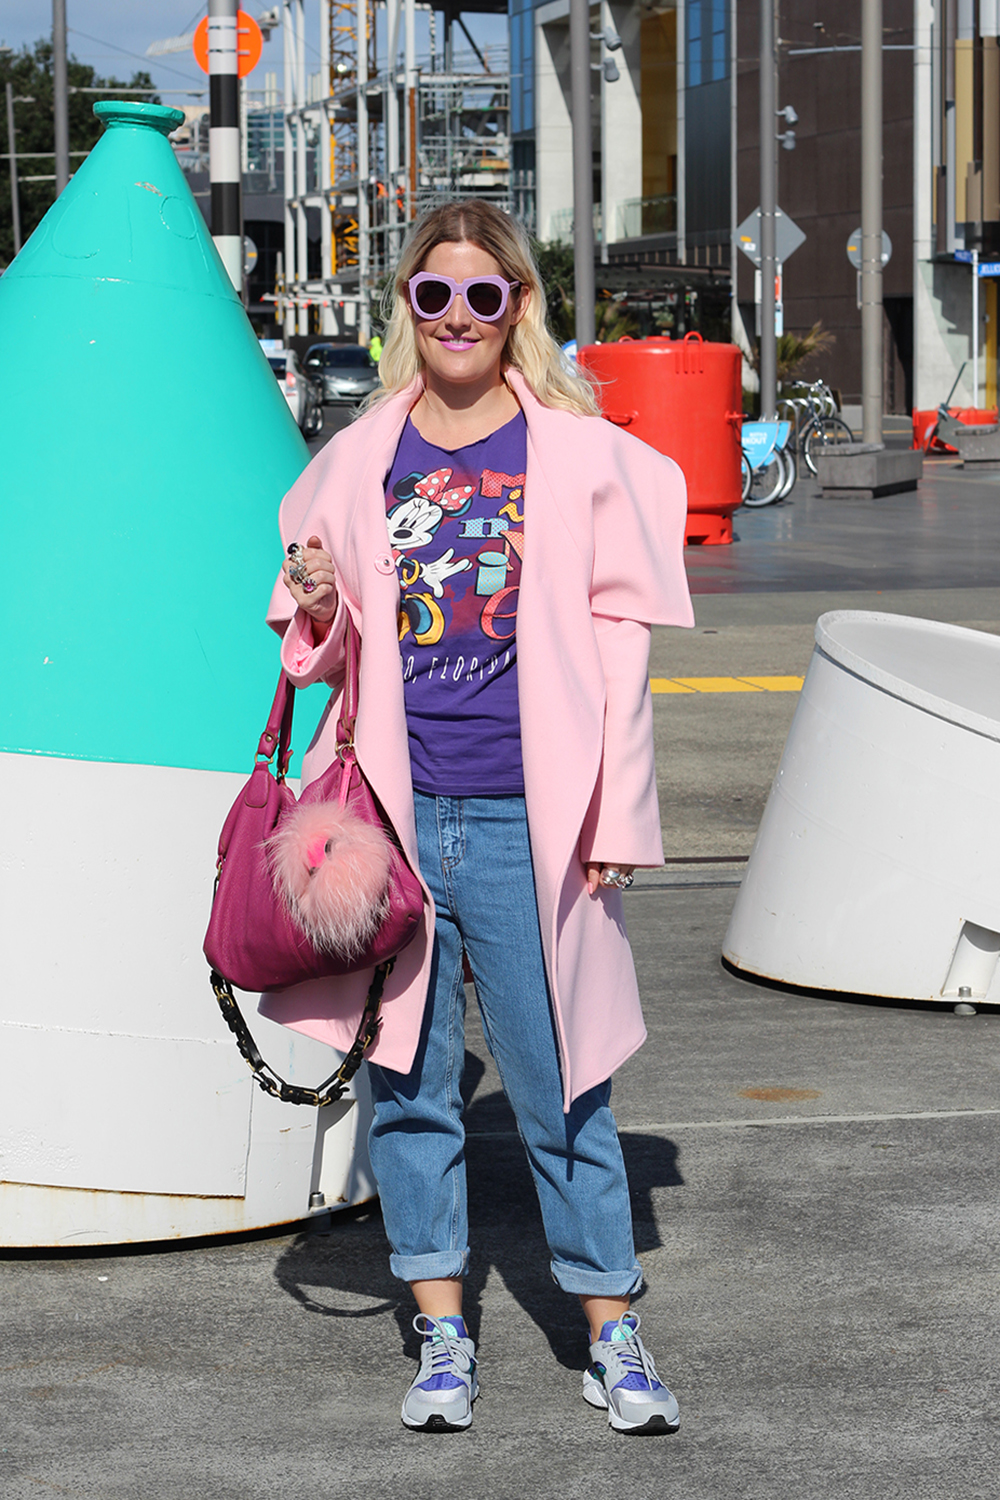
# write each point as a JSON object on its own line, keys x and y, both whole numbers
{"x": 349, "y": 702}
{"x": 332, "y": 1088}
{"x": 277, "y": 733}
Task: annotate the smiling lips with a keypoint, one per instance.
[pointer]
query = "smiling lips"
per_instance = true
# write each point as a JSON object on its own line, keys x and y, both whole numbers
{"x": 458, "y": 343}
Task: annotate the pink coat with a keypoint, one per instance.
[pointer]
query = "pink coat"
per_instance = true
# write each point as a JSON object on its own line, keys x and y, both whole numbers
{"x": 603, "y": 560}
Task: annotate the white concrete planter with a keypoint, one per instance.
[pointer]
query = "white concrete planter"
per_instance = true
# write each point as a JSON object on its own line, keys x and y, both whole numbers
{"x": 876, "y": 868}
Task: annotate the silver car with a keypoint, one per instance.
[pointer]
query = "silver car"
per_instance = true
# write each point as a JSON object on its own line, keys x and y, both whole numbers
{"x": 301, "y": 389}
{"x": 346, "y": 372}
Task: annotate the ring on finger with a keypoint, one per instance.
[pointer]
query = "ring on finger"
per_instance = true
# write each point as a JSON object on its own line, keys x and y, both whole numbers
{"x": 308, "y": 585}
{"x": 610, "y": 875}
{"x": 624, "y": 881}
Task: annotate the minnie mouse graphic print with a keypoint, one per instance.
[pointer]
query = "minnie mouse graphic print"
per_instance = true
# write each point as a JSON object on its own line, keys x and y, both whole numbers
{"x": 456, "y": 528}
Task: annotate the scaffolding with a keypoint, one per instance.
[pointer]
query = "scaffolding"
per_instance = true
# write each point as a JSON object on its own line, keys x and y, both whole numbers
{"x": 368, "y": 148}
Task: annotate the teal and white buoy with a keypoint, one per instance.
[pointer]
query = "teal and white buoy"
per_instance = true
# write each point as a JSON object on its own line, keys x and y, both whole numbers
{"x": 147, "y": 448}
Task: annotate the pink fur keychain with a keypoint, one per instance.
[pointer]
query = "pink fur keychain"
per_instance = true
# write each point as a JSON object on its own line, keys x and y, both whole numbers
{"x": 331, "y": 869}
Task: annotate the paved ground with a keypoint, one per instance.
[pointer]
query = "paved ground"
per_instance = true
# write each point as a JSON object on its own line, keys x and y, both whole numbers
{"x": 814, "y": 1185}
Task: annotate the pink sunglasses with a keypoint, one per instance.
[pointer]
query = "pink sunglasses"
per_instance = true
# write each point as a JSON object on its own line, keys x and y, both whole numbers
{"x": 486, "y": 297}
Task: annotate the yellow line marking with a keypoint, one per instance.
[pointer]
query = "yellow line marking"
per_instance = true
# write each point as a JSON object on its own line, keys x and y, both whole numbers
{"x": 726, "y": 684}
{"x": 777, "y": 684}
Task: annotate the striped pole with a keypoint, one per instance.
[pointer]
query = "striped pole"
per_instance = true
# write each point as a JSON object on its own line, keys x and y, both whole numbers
{"x": 224, "y": 137}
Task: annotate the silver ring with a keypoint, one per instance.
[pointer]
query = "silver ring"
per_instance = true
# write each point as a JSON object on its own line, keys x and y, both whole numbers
{"x": 297, "y": 566}
{"x": 610, "y": 875}
{"x": 307, "y": 586}
{"x": 624, "y": 881}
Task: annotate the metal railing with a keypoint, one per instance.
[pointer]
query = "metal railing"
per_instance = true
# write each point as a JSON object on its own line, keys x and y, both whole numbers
{"x": 656, "y": 214}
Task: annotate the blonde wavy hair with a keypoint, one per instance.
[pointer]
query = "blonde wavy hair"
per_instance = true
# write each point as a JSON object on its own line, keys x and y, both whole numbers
{"x": 530, "y": 347}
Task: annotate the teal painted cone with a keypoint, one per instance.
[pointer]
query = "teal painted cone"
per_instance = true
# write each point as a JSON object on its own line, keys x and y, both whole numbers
{"x": 147, "y": 446}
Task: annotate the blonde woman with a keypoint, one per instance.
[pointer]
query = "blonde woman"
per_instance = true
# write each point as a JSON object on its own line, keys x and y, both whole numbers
{"x": 503, "y": 552}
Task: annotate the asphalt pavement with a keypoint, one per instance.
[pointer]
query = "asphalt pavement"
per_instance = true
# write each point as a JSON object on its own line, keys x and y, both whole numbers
{"x": 814, "y": 1180}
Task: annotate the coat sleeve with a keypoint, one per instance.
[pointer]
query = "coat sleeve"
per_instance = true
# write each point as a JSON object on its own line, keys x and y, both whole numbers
{"x": 623, "y": 820}
{"x": 640, "y": 512}
{"x": 304, "y": 661}
{"x": 638, "y": 580}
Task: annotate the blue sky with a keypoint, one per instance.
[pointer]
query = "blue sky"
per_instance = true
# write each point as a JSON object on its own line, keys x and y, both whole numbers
{"x": 112, "y": 35}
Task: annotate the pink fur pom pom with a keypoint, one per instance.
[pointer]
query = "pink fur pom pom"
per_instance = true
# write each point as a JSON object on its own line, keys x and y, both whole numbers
{"x": 331, "y": 869}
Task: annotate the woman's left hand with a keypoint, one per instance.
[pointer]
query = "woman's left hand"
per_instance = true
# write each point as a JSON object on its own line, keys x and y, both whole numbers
{"x": 609, "y": 874}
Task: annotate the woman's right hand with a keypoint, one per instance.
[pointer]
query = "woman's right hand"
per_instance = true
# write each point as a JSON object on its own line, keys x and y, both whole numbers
{"x": 316, "y": 593}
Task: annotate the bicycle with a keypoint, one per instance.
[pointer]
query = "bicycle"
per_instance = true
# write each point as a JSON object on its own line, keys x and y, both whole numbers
{"x": 822, "y": 429}
{"x": 767, "y": 468}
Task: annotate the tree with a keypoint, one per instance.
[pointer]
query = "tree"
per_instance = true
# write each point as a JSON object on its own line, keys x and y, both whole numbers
{"x": 793, "y": 349}
{"x": 30, "y": 73}
{"x": 556, "y": 265}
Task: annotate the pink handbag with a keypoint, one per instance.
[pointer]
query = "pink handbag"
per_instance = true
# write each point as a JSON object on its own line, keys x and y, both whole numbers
{"x": 308, "y": 889}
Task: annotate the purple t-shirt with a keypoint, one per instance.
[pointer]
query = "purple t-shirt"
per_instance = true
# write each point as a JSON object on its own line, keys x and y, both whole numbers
{"x": 456, "y": 528}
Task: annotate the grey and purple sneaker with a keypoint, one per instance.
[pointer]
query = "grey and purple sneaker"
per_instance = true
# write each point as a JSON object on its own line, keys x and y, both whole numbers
{"x": 441, "y": 1396}
{"x": 621, "y": 1379}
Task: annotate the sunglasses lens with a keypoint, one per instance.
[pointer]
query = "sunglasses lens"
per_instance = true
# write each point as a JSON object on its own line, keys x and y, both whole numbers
{"x": 431, "y": 298}
{"x": 484, "y": 299}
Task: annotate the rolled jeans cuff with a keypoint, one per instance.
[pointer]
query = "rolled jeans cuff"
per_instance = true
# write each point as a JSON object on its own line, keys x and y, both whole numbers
{"x": 584, "y": 1283}
{"x": 442, "y": 1265}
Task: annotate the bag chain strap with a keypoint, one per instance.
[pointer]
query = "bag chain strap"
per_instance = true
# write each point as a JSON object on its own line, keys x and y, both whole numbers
{"x": 332, "y": 1088}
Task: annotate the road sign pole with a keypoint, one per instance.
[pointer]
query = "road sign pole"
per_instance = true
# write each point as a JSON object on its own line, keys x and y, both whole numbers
{"x": 583, "y": 171}
{"x": 871, "y": 220}
{"x": 767, "y": 362}
{"x": 224, "y": 136}
{"x": 975, "y": 327}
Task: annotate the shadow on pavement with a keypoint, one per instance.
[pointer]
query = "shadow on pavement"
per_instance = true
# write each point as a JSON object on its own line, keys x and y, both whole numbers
{"x": 343, "y": 1272}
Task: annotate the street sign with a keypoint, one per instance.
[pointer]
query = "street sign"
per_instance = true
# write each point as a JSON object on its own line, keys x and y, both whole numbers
{"x": 249, "y": 43}
{"x": 787, "y": 235}
{"x": 989, "y": 268}
{"x": 854, "y": 249}
{"x": 965, "y": 256}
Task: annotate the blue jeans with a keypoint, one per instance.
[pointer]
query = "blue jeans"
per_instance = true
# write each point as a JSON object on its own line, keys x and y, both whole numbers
{"x": 476, "y": 859}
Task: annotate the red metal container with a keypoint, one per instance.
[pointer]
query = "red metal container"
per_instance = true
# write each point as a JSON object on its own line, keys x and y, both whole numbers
{"x": 684, "y": 398}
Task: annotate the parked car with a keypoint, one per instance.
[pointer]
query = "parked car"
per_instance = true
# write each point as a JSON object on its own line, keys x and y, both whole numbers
{"x": 347, "y": 372}
{"x": 303, "y": 394}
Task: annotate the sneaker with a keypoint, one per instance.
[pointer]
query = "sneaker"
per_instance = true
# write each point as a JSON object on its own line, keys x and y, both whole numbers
{"x": 440, "y": 1398}
{"x": 622, "y": 1380}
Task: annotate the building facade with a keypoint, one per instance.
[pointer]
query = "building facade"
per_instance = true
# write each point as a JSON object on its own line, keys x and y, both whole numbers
{"x": 677, "y": 169}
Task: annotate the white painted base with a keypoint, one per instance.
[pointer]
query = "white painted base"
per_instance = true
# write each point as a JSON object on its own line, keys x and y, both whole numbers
{"x": 127, "y": 1112}
{"x": 876, "y": 868}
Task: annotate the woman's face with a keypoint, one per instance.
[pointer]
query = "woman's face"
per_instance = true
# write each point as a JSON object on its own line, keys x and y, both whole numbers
{"x": 457, "y": 348}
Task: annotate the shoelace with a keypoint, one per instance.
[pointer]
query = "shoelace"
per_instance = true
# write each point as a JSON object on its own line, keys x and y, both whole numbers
{"x": 632, "y": 1351}
{"x": 441, "y": 1352}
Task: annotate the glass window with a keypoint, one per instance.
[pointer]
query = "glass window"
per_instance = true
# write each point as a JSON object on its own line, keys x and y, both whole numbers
{"x": 352, "y": 355}
{"x": 707, "y": 52}
{"x": 694, "y": 19}
{"x": 522, "y": 66}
